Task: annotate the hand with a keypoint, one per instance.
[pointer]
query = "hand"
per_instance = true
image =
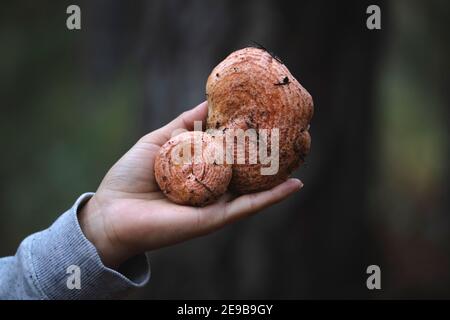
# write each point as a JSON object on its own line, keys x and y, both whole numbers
{"x": 129, "y": 215}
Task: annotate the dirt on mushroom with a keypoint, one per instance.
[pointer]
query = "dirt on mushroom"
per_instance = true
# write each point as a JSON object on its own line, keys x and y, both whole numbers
{"x": 256, "y": 90}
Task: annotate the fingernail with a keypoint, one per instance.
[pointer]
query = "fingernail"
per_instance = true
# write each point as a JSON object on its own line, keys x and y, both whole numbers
{"x": 299, "y": 183}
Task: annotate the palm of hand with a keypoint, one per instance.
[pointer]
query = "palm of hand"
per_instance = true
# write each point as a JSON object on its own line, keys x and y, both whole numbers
{"x": 131, "y": 215}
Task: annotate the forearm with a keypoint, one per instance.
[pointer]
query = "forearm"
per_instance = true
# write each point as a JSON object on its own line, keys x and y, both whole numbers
{"x": 43, "y": 265}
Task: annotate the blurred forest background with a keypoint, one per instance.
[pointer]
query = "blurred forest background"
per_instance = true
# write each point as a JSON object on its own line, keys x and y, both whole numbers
{"x": 376, "y": 182}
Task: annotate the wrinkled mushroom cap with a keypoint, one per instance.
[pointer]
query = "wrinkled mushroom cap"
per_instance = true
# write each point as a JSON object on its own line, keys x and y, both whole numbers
{"x": 186, "y": 170}
{"x": 253, "y": 89}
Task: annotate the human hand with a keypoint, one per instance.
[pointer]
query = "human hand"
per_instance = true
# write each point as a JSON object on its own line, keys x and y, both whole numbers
{"x": 129, "y": 215}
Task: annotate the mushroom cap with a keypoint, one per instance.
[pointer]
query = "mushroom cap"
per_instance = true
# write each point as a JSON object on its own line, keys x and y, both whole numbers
{"x": 187, "y": 172}
{"x": 251, "y": 89}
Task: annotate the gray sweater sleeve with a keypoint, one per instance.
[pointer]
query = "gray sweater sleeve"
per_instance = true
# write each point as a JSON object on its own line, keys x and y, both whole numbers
{"x": 60, "y": 263}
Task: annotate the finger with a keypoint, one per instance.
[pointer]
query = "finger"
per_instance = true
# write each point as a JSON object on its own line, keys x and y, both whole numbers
{"x": 251, "y": 203}
{"x": 225, "y": 198}
{"x": 185, "y": 121}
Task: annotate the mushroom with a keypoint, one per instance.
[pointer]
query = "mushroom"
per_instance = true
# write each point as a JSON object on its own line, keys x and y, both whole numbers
{"x": 189, "y": 169}
{"x": 251, "y": 89}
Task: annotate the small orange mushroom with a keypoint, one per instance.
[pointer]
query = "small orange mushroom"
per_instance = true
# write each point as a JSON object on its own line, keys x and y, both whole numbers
{"x": 187, "y": 171}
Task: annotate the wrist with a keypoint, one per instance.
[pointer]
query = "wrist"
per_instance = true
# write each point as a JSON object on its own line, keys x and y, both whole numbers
{"x": 92, "y": 222}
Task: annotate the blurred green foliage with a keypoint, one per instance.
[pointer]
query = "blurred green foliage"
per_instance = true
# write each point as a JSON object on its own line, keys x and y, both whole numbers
{"x": 412, "y": 123}
{"x": 59, "y": 130}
